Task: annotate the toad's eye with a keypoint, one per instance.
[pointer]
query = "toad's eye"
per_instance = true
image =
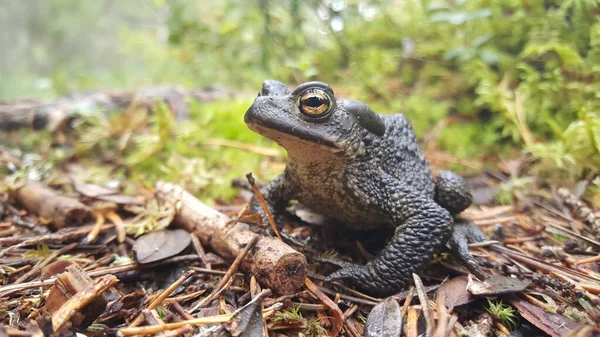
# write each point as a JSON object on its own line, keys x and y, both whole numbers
{"x": 314, "y": 103}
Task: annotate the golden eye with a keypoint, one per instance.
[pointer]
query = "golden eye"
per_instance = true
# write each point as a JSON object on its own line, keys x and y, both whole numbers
{"x": 314, "y": 103}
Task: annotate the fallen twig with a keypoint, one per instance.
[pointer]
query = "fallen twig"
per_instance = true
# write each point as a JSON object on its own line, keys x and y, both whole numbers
{"x": 44, "y": 263}
{"x": 338, "y": 315}
{"x": 232, "y": 269}
{"x": 11, "y": 288}
{"x": 424, "y": 304}
{"x": 161, "y": 297}
{"x": 276, "y": 265}
{"x": 58, "y": 210}
{"x": 263, "y": 204}
{"x": 148, "y": 330}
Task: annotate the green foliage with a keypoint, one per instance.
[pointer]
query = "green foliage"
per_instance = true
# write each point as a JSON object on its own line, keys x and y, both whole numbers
{"x": 153, "y": 216}
{"x": 502, "y": 312}
{"x": 514, "y": 188}
{"x": 178, "y": 152}
{"x": 41, "y": 251}
{"x": 313, "y": 326}
{"x": 30, "y": 167}
{"x": 576, "y": 152}
{"x": 293, "y": 314}
{"x": 160, "y": 311}
{"x": 510, "y": 75}
{"x": 501, "y": 74}
{"x": 559, "y": 237}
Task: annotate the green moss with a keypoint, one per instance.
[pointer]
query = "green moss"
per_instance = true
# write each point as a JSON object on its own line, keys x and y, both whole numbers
{"x": 504, "y": 75}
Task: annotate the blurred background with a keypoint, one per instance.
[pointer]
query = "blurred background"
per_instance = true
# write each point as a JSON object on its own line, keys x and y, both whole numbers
{"x": 484, "y": 81}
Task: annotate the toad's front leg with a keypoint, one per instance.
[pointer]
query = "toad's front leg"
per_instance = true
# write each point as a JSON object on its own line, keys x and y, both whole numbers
{"x": 422, "y": 229}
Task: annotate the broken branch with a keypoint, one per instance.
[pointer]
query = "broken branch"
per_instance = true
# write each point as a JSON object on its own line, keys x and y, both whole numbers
{"x": 276, "y": 265}
{"x": 58, "y": 210}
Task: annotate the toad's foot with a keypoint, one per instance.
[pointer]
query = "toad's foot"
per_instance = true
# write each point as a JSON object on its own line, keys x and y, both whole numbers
{"x": 466, "y": 232}
{"x": 362, "y": 276}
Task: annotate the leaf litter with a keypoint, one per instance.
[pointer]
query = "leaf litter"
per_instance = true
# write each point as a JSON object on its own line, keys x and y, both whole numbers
{"x": 120, "y": 267}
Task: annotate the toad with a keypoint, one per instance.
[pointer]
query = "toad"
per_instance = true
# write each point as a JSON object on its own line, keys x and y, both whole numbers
{"x": 363, "y": 170}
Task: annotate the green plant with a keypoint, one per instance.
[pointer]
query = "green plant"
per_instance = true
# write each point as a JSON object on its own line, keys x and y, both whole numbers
{"x": 41, "y": 251}
{"x": 313, "y": 326}
{"x": 293, "y": 314}
{"x": 493, "y": 77}
{"x": 576, "y": 153}
{"x": 502, "y": 312}
{"x": 515, "y": 187}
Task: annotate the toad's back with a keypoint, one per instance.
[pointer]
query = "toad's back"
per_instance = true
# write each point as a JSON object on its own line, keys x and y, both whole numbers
{"x": 321, "y": 182}
{"x": 398, "y": 154}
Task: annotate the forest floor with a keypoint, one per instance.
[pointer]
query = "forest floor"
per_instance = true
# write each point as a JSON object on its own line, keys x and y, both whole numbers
{"x": 126, "y": 255}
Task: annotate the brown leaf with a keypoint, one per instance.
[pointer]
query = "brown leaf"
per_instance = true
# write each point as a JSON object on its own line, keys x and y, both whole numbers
{"x": 122, "y": 199}
{"x": 108, "y": 194}
{"x": 93, "y": 190}
{"x": 384, "y": 320}
{"x": 553, "y": 324}
{"x": 160, "y": 245}
{"x": 248, "y": 321}
{"x": 56, "y": 268}
{"x": 455, "y": 292}
{"x": 131, "y": 302}
{"x": 498, "y": 285}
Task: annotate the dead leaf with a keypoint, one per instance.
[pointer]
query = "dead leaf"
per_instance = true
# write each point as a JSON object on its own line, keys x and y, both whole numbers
{"x": 93, "y": 190}
{"x": 248, "y": 321}
{"x": 108, "y": 194}
{"x": 130, "y": 303}
{"x": 55, "y": 268}
{"x": 385, "y": 320}
{"x": 497, "y": 285}
{"x": 455, "y": 292}
{"x": 160, "y": 245}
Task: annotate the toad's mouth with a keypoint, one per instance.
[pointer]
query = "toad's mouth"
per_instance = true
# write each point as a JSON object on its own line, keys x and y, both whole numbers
{"x": 289, "y": 141}
{"x": 282, "y": 130}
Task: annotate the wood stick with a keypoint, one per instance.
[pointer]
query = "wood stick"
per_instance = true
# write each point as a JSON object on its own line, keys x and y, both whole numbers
{"x": 274, "y": 264}
{"x": 54, "y": 115}
{"x": 263, "y": 204}
{"x": 424, "y": 304}
{"x": 226, "y": 278}
{"x": 161, "y": 297}
{"x": 60, "y": 211}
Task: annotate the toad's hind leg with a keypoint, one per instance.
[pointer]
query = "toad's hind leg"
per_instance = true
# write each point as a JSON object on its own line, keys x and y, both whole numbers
{"x": 452, "y": 193}
{"x": 466, "y": 232}
{"x": 422, "y": 229}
